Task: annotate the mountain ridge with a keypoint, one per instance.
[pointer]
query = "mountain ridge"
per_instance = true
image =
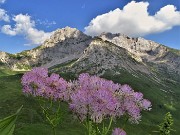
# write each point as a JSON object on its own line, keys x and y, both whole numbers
{"x": 69, "y": 44}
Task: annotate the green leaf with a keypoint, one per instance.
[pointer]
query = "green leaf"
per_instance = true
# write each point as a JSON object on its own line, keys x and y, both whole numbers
{"x": 7, "y": 124}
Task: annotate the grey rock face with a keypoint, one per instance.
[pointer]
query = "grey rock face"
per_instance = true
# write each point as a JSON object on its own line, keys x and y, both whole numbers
{"x": 146, "y": 51}
{"x": 3, "y": 57}
{"x": 102, "y": 55}
{"x": 65, "y": 44}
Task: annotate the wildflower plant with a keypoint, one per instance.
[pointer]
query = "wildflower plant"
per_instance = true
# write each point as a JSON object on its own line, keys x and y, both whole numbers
{"x": 96, "y": 99}
{"x": 92, "y": 100}
{"x": 50, "y": 91}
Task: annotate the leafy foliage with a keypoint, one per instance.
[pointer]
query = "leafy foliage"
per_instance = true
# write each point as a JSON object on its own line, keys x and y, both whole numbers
{"x": 7, "y": 124}
{"x": 165, "y": 127}
{"x": 91, "y": 99}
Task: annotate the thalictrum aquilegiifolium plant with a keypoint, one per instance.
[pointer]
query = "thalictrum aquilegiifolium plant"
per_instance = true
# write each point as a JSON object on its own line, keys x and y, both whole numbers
{"x": 91, "y": 99}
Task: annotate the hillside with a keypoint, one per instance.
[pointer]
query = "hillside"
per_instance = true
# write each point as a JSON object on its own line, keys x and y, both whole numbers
{"x": 30, "y": 122}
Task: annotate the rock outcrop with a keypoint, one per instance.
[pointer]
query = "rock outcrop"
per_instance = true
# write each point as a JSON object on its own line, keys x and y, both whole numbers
{"x": 148, "y": 52}
{"x": 102, "y": 55}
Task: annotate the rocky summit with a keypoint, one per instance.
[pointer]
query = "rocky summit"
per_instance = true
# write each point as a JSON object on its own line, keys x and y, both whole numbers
{"x": 64, "y": 45}
{"x": 148, "y": 52}
{"x": 97, "y": 54}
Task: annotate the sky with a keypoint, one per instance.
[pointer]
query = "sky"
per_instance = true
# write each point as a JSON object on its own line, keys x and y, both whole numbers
{"x": 26, "y": 24}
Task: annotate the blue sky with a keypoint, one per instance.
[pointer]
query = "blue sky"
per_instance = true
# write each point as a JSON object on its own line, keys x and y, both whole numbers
{"x": 27, "y": 23}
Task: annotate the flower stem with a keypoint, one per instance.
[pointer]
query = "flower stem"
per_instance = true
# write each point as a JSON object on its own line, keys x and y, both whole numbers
{"x": 89, "y": 130}
{"x": 109, "y": 126}
{"x": 54, "y": 131}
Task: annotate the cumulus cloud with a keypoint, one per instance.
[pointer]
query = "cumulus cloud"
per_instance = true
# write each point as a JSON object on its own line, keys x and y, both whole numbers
{"x": 3, "y": 15}
{"x": 2, "y": 1}
{"x": 169, "y": 15}
{"x": 134, "y": 20}
{"x": 25, "y": 26}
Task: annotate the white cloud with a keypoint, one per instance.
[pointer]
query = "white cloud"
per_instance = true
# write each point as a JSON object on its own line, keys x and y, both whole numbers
{"x": 3, "y": 15}
{"x": 2, "y": 1}
{"x": 46, "y": 23}
{"x": 169, "y": 15}
{"x": 8, "y": 30}
{"x": 26, "y": 27}
{"x": 134, "y": 20}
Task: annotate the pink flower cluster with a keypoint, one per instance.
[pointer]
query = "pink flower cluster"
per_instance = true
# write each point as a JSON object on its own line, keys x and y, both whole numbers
{"x": 89, "y": 97}
{"x": 39, "y": 84}
{"x": 98, "y": 98}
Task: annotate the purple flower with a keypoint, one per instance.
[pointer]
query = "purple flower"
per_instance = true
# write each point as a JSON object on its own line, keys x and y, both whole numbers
{"x": 146, "y": 104}
{"x": 97, "y": 98}
{"x": 126, "y": 89}
{"x": 118, "y": 131}
{"x": 138, "y": 96}
{"x": 93, "y": 97}
{"x": 38, "y": 84}
{"x": 89, "y": 97}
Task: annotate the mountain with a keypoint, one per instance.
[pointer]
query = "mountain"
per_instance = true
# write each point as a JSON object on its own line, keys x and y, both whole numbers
{"x": 96, "y": 55}
{"x": 102, "y": 55}
{"x": 64, "y": 45}
{"x": 157, "y": 56}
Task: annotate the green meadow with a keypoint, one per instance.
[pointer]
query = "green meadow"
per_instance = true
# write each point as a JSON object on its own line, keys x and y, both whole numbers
{"x": 31, "y": 121}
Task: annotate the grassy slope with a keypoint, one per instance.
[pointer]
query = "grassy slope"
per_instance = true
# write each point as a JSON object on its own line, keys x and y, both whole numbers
{"x": 162, "y": 102}
{"x": 30, "y": 121}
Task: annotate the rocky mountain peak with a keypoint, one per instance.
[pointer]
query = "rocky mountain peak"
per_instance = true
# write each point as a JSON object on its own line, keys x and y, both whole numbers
{"x": 66, "y": 32}
{"x": 164, "y": 59}
{"x": 138, "y": 46}
{"x": 65, "y": 44}
{"x": 63, "y": 34}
